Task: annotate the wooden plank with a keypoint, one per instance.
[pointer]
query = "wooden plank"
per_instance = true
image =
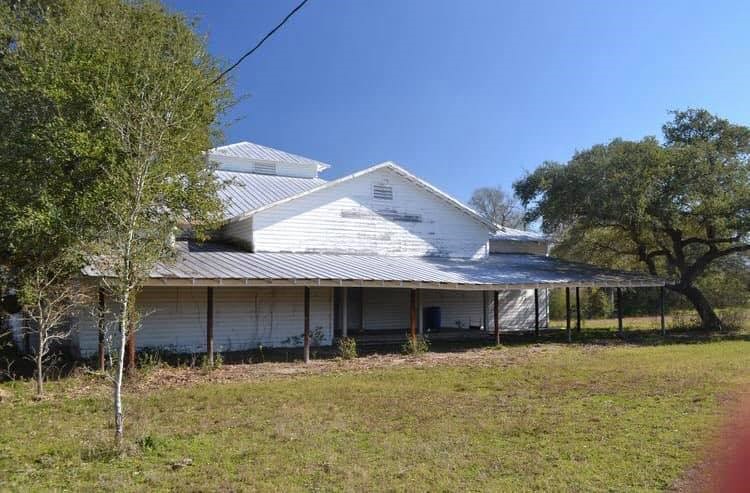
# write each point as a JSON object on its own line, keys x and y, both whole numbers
{"x": 307, "y": 325}
{"x": 578, "y": 309}
{"x": 210, "y": 325}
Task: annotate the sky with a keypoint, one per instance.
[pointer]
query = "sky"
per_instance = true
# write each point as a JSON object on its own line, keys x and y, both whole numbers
{"x": 472, "y": 93}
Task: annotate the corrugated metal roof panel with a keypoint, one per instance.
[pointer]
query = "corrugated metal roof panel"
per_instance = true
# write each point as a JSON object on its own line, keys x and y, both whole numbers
{"x": 509, "y": 271}
{"x": 511, "y": 234}
{"x": 249, "y": 150}
{"x": 248, "y": 191}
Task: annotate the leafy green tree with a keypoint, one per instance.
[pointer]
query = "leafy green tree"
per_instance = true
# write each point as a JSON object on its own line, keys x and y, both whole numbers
{"x": 121, "y": 106}
{"x": 673, "y": 208}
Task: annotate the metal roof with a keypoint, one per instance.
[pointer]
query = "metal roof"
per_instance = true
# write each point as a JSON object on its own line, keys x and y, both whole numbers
{"x": 257, "y": 152}
{"x": 511, "y": 234}
{"x": 244, "y": 192}
{"x": 390, "y": 165}
{"x": 218, "y": 264}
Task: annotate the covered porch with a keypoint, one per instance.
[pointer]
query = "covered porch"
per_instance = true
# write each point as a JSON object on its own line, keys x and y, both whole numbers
{"x": 377, "y": 297}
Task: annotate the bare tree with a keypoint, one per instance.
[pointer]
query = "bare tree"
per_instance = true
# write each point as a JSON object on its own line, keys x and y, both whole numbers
{"x": 497, "y": 206}
{"x": 50, "y": 297}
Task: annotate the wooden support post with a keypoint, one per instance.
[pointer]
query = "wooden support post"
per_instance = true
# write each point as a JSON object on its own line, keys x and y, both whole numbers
{"x": 100, "y": 325}
{"x": 413, "y": 315}
{"x": 567, "y": 314}
{"x": 661, "y": 311}
{"x": 578, "y": 309}
{"x": 130, "y": 350}
{"x": 420, "y": 313}
{"x": 362, "y": 310}
{"x": 210, "y": 325}
{"x": 497, "y": 316}
{"x": 344, "y": 310}
{"x": 619, "y": 310}
{"x": 536, "y": 312}
{"x": 307, "y": 325}
{"x": 484, "y": 310}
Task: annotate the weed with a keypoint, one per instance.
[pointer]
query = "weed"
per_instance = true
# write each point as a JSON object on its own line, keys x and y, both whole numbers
{"x": 347, "y": 348}
{"x": 417, "y": 345}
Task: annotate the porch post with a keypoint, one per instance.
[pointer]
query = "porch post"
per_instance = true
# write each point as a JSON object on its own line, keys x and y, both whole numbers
{"x": 484, "y": 310}
{"x": 344, "y": 316}
{"x": 578, "y": 309}
{"x": 567, "y": 313}
{"x": 497, "y": 317}
{"x": 536, "y": 312}
{"x": 100, "y": 325}
{"x": 210, "y": 325}
{"x": 420, "y": 313}
{"x": 130, "y": 349}
{"x": 307, "y": 325}
{"x": 413, "y": 314}
{"x": 619, "y": 310}
{"x": 661, "y": 311}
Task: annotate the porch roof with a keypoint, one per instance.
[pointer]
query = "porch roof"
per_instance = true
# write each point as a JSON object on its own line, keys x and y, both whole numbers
{"x": 212, "y": 264}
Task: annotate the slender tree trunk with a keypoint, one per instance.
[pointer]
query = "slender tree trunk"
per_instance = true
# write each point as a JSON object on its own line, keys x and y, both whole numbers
{"x": 709, "y": 319}
{"x": 39, "y": 356}
{"x": 124, "y": 325}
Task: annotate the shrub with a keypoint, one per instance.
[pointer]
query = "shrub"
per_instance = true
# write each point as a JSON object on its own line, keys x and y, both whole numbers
{"x": 347, "y": 348}
{"x": 418, "y": 345}
{"x": 206, "y": 363}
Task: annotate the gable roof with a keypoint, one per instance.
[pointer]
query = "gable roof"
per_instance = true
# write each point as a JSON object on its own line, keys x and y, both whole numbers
{"x": 256, "y": 152}
{"x": 390, "y": 165}
{"x": 243, "y": 192}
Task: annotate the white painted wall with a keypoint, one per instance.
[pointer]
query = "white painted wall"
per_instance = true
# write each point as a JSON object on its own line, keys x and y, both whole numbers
{"x": 175, "y": 319}
{"x": 347, "y": 219}
{"x": 388, "y": 309}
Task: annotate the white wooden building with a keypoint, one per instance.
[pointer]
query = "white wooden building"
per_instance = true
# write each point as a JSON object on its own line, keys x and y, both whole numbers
{"x": 370, "y": 253}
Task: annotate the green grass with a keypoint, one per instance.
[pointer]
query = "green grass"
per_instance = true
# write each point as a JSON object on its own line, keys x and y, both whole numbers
{"x": 551, "y": 417}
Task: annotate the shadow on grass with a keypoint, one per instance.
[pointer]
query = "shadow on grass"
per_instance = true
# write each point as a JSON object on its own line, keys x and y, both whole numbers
{"x": 439, "y": 343}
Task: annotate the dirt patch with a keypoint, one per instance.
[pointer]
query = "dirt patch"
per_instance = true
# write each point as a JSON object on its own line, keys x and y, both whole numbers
{"x": 166, "y": 377}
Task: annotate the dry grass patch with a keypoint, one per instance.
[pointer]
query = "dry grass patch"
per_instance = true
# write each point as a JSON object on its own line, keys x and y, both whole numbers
{"x": 540, "y": 417}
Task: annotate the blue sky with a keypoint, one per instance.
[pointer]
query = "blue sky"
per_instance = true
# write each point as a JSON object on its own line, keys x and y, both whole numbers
{"x": 473, "y": 93}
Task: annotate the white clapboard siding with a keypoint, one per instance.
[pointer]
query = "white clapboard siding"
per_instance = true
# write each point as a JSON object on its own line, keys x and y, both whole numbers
{"x": 347, "y": 219}
{"x": 386, "y": 309}
{"x": 458, "y": 309}
{"x": 516, "y": 309}
{"x": 241, "y": 232}
{"x": 389, "y": 309}
{"x": 174, "y": 319}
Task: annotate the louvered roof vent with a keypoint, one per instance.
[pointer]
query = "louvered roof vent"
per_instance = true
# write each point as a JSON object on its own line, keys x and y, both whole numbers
{"x": 264, "y": 168}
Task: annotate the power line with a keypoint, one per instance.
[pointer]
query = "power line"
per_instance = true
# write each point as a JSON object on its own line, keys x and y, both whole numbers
{"x": 260, "y": 43}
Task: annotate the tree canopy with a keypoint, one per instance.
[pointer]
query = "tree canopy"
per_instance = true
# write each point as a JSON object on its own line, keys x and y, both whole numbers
{"x": 106, "y": 110}
{"x": 497, "y": 206}
{"x": 673, "y": 207}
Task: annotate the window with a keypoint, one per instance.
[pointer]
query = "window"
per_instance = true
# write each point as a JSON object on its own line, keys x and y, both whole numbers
{"x": 265, "y": 168}
{"x": 382, "y": 192}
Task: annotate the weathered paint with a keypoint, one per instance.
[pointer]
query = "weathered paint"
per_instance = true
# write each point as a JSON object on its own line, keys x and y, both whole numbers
{"x": 174, "y": 319}
{"x": 347, "y": 219}
{"x": 515, "y": 246}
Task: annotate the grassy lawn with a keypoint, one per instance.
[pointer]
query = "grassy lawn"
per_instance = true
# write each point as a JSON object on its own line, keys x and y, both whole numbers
{"x": 529, "y": 417}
